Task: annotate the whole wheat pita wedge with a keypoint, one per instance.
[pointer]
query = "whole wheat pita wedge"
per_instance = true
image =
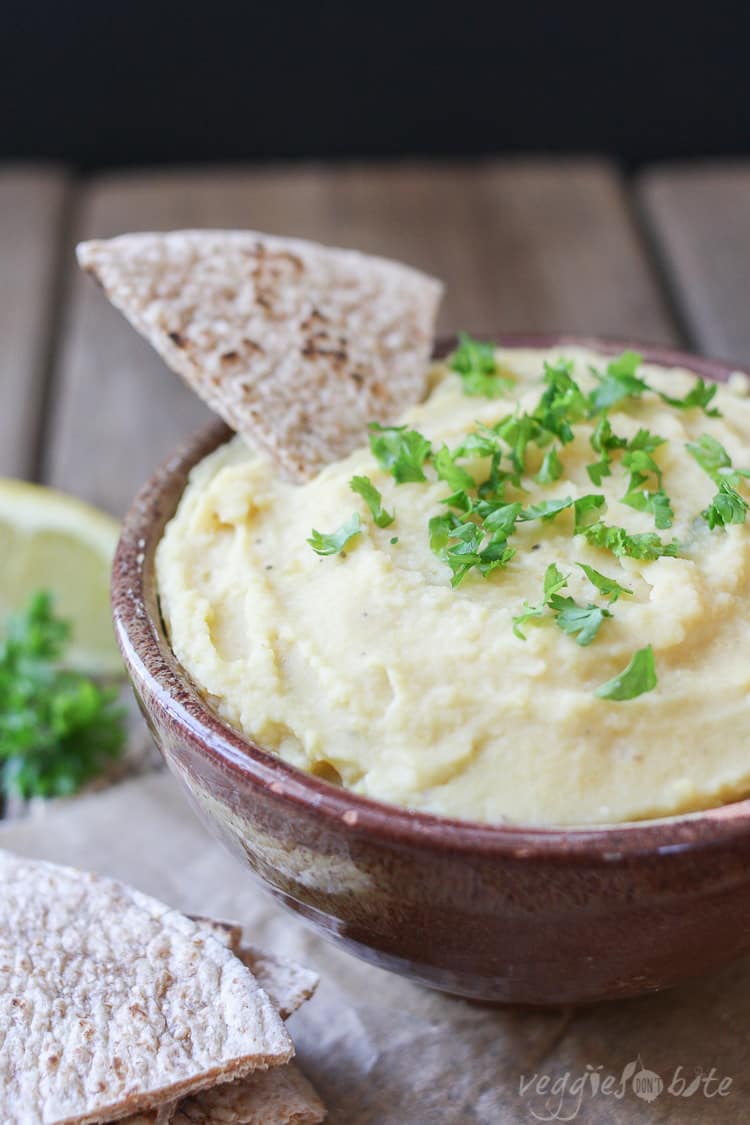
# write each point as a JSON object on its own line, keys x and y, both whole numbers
{"x": 297, "y": 346}
{"x": 282, "y": 1096}
{"x": 287, "y": 983}
{"x": 228, "y": 933}
{"x": 112, "y": 1003}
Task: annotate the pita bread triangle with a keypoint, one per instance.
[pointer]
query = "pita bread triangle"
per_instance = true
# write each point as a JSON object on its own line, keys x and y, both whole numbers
{"x": 112, "y": 1003}
{"x": 297, "y": 346}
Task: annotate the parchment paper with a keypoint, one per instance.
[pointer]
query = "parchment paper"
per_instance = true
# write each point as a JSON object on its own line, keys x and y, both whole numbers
{"x": 380, "y": 1050}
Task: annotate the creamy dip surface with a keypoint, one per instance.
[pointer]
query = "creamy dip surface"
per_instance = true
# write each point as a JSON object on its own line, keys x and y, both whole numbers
{"x": 368, "y": 667}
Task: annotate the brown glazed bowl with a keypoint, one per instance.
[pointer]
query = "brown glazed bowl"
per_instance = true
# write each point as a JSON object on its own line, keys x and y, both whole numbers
{"x": 495, "y": 913}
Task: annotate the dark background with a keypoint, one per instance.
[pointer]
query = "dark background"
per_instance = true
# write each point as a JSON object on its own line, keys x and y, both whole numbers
{"x": 111, "y": 82}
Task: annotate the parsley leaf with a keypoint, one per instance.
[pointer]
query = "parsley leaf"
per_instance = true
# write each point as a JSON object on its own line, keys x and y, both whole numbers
{"x": 334, "y": 543}
{"x": 619, "y": 382}
{"x": 563, "y": 403}
{"x": 460, "y": 500}
{"x": 518, "y": 431}
{"x": 648, "y": 545}
{"x": 550, "y": 469}
{"x": 364, "y": 487}
{"x": 476, "y": 363}
{"x": 58, "y": 729}
{"x": 546, "y": 509}
{"x": 637, "y": 678}
{"x": 713, "y": 458}
{"x": 401, "y": 451}
{"x": 606, "y": 586}
{"x": 726, "y": 507}
{"x": 658, "y": 503}
{"x": 587, "y": 510}
{"x": 450, "y": 472}
{"x": 603, "y": 441}
{"x": 554, "y": 582}
{"x": 459, "y": 544}
{"x": 581, "y": 621}
{"x": 641, "y": 465}
{"x": 482, "y": 442}
{"x": 646, "y": 441}
{"x": 701, "y": 395}
{"x": 500, "y": 519}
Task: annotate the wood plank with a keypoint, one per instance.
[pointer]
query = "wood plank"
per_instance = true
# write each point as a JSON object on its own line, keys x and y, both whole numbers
{"x": 699, "y": 219}
{"x": 32, "y": 202}
{"x": 521, "y": 244}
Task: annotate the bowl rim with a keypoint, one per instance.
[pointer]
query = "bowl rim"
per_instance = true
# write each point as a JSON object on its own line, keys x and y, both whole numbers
{"x": 150, "y": 661}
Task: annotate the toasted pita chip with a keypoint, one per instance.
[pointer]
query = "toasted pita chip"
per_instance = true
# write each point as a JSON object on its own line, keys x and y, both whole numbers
{"x": 297, "y": 346}
{"x": 281, "y": 1096}
{"x": 287, "y": 983}
{"x": 228, "y": 933}
{"x": 111, "y": 1003}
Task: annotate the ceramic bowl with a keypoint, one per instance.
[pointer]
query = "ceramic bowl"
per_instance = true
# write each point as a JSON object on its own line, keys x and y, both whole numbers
{"x": 495, "y": 913}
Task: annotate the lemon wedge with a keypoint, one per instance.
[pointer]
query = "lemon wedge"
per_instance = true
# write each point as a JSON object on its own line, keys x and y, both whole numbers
{"x": 50, "y": 541}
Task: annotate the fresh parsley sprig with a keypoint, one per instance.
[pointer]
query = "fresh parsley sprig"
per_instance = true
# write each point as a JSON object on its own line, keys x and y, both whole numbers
{"x": 401, "y": 451}
{"x": 607, "y": 586}
{"x": 579, "y": 621}
{"x": 476, "y": 363}
{"x": 334, "y": 542}
{"x": 647, "y": 545}
{"x": 634, "y": 680}
{"x": 58, "y": 728}
{"x": 364, "y": 487}
{"x": 726, "y": 507}
{"x": 713, "y": 458}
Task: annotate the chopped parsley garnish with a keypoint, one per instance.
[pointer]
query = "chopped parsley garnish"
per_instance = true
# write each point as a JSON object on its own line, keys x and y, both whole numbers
{"x": 606, "y": 586}
{"x": 726, "y": 507}
{"x": 550, "y": 469}
{"x": 401, "y": 451}
{"x": 546, "y": 509}
{"x": 587, "y": 510}
{"x": 334, "y": 543}
{"x": 563, "y": 403}
{"x": 657, "y": 503}
{"x": 579, "y": 621}
{"x": 499, "y": 519}
{"x": 476, "y": 363}
{"x": 364, "y": 487}
{"x": 554, "y": 582}
{"x": 647, "y": 545}
{"x": 603, "y": 441}
{"x": 453, "y": 475}
{"x": 58, "y": 728}
{"x": 701, "y": 395}
{"x": 713, "y": 458}
{"x": 638, "y": 678}
{"x": 620, "y": 381}
{"x": 462, "y": 546}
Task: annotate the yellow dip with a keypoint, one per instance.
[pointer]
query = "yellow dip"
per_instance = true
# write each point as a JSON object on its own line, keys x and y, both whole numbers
{"x": 369, "y": 667}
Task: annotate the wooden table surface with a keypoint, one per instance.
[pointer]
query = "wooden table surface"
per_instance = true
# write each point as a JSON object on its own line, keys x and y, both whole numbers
{"x": 521, "y": 244}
